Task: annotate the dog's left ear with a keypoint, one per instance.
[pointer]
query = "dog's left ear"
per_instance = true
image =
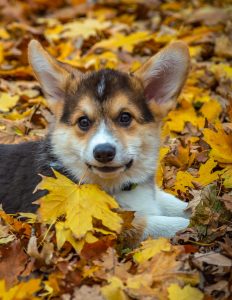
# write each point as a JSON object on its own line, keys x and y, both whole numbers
{"x": 164, "y": 75}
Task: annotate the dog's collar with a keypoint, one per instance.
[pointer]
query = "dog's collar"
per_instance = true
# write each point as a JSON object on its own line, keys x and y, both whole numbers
{"x": 129, "y": 186}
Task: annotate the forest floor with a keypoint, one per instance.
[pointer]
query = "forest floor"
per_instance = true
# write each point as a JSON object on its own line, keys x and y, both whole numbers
{"x": 195, "y": 159}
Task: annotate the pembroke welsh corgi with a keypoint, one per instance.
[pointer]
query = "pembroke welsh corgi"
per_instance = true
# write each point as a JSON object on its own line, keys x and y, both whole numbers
{"x": 107, "y": 132}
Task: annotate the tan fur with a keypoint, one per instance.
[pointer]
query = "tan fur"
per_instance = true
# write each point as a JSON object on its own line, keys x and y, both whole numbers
{"x": 131, "y": 237}
{"x": 121, "y": 103}
{"x": 86, "y": 106}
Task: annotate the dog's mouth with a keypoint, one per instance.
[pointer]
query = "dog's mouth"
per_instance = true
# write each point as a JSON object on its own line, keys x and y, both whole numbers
{"x": 110, "y": 169}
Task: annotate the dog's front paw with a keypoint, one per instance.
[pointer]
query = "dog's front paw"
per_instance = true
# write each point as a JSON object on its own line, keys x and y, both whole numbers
{"x": 133, "y": 234}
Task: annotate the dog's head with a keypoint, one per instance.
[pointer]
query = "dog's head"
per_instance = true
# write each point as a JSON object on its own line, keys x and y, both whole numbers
{"x": 107, "y": 122}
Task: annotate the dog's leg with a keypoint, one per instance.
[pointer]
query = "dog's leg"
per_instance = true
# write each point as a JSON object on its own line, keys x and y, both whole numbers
{"x": 144, "y": 226}
{"x": 170, "y": 205}
{"x": 164, "y": 226}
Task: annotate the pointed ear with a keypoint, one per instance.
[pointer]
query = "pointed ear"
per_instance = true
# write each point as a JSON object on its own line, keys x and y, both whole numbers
{"x": 51, "y": 74}
{"x": 164, "y": 74}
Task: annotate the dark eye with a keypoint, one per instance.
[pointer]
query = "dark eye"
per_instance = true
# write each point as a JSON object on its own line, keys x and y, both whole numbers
{"x": 125, "y": 119}
{"x": 84, "y": 123}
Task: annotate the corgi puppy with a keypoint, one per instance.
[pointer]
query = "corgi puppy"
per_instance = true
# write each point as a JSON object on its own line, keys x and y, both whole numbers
{"x": 107, "y": 132}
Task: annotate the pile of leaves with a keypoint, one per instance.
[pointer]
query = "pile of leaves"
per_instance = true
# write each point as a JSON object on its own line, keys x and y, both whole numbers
{"x": 56, "y": 255}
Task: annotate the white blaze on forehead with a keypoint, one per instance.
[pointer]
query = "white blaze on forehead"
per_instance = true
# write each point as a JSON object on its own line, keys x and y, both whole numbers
{"x": 101, "y": 136}
{"x": 101, "y": 86}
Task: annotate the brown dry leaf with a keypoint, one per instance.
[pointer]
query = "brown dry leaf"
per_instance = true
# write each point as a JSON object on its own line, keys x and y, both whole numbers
{"x": 213, "y": 258}
{"x": 87, "y": 293}
{"x": 45, "y": 255}
{"x": 5, "y": 235}
{"x": 227, "y": 200}
{"x": 223, "y": 47}
{"x": 13, "y": 262}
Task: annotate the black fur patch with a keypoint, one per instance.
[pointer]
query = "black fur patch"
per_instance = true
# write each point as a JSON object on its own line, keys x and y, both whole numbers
{"x": 19, "y": 168}
{"x": 102, "y": 86}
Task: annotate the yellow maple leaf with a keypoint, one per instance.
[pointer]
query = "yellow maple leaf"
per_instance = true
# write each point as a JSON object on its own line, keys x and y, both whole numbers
{"x": 221, "y": 70}
{"x": 81, "y": 205}
{"x": 184, "y": 179}
{"x": 227, "y": 175}
{"x": 23, "y": 290}
{"x": 195, "y": 51}
{"x": 114, "y": 290}
{"x": 106, "y": 59}
{"x": 4, "y": 34}
{"x": 1, "y": 53}
{"x": 211, "y": 110}
{"x": 177, "y": 119}
{"x": 86, "y": 28}
{"x": 205, "y": 175}
{"x": 187, "y": 293}
{"x": 159, "y": 172}
{"x": 150, "y": 248}
{"x": 221, "y": 144}
{"x": 7, "y": 101}
{"x": 121, "y": 41}
{"x": 86, "y": 203}
{"x": 64, "y": 233}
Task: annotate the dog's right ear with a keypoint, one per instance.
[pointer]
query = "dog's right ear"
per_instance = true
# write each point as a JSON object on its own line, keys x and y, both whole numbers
{"x": 163, "y": 76}
{"x": 51, "y": 74}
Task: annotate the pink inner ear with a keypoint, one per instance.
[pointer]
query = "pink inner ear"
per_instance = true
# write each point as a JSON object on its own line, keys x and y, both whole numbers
{"x": 158, "y": 87}
{"x": 164, "y": 74}
{"x": 153, "y": 91}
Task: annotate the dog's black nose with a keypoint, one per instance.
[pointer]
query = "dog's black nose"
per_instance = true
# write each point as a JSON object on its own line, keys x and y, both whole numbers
{"x": 104, "y": 152}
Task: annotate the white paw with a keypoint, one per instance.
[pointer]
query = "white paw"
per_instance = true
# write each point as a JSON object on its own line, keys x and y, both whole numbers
{"x": 164, "y": 226}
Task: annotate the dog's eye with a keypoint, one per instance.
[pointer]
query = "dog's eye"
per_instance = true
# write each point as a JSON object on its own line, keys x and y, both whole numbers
{"x": 84, "y": 123}
{"x": 125, "y": 119}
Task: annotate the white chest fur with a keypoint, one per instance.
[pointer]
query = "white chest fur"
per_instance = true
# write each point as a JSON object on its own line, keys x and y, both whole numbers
{"x": 140, "y": 199}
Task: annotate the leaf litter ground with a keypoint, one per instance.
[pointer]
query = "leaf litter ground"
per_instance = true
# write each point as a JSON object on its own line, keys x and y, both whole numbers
{"x": 45, "y": 257}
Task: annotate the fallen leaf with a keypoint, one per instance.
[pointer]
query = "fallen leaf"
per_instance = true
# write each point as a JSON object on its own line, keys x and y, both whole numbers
{"x": 85, "y": 28}
{"x": 177, "y": 119}
{"x": 211, "y": 110}
{"x": 150, "y": 248}
{"x": 213, "y": 258}
{"x": 22, "y": 291}
{"x": 89, "y": 201}
{"x": 187, "y": 293}
{"x": 13, "y": 262}
{"x": 5, "y": 235}
{"x": 7, "y": 101}
{"x": 114, "y": 290}
{"x": 221, "y": 144}
{"x": 185, "y": 180}
{"x": 125, "y": 42}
